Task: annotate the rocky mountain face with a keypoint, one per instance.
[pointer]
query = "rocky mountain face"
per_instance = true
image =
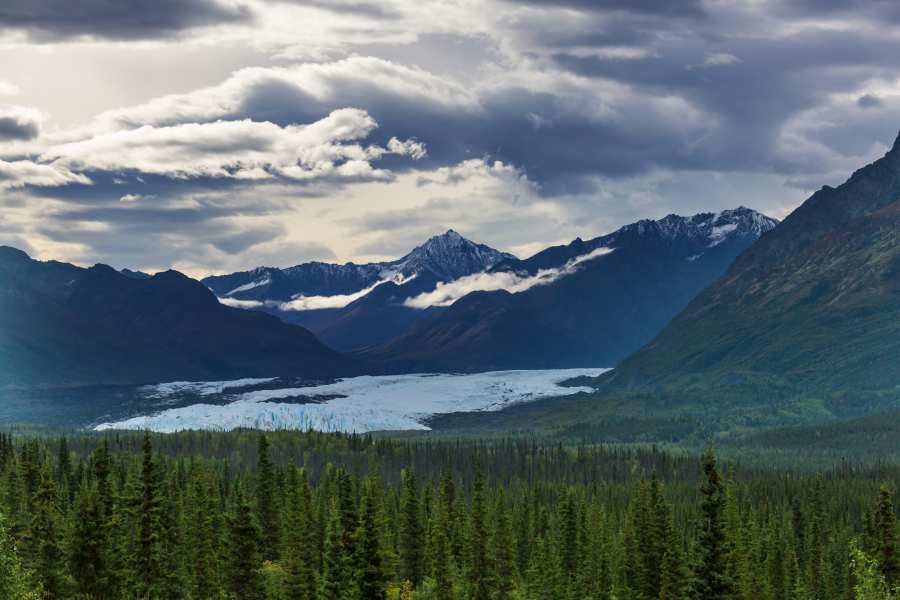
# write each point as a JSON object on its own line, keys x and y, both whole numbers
{"x": 443, "y": 257}
{"x": 62, "y": 324}
{"x": 589, "y": 303}
{"x": 814, "y": 306}
{"x": 372, "y": 308}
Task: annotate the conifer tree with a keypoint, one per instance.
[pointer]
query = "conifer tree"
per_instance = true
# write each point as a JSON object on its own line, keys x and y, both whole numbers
{"x": 266, "y": 509}
{"x": 712, "y": 576}
{"x": 335, "y": 564}
{"x": 88, "y": 547}
{"x": 410, "y": 530}
{"x": 15, "y": 582}
{"x": 441, "y": 553}
{"x": 504, "y": 558}
{"x": 479, "y": 574}
{"x": 887, "y": 552}
{"x": 45, "y": 540}
{"x": 101, "y": 468}
{"x": 202, "y": 533}
{"x": 371, "y": 576}
{"x": 149, "y": 568}
{"x": 244, "y": 561}
{"x": 300, "y": 544}
{"x": 64, "y": 464}
{"x": 568, "y": 537}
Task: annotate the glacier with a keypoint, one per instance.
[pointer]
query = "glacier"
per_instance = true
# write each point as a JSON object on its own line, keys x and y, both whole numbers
{"x": 357, "y": 404}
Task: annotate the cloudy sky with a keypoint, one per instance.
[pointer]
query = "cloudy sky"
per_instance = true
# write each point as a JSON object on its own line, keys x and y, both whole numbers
{"x": 216, "y": 135}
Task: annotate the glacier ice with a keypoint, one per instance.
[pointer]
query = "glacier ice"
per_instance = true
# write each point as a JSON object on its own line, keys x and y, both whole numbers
{"x": 367, "y": 403}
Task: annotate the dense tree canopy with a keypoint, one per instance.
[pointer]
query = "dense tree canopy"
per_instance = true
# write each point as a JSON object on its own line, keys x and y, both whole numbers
{"x": 292, "y": 515}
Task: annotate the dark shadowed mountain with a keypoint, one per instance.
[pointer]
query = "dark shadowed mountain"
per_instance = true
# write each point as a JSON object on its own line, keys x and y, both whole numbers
{"x": 351, "y": 306}
{"x": 814, "y": 306}
{"x": 62, "y": 324}
{"x": 589, "y": 303}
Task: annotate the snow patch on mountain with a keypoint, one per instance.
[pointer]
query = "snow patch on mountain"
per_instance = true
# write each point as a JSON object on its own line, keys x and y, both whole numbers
{"x": 249, "y": 286}
{"x": 368, "y": 403}
{"x": 446, "y": 294}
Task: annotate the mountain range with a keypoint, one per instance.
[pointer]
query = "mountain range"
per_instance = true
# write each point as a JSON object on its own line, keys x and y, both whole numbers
{"x": 448, "y": 305}
{"x": 814, "y": 306}
{"x": 351, "y": 306}
{"x": 62, "y": 324}
{"x": 589, "y": 303}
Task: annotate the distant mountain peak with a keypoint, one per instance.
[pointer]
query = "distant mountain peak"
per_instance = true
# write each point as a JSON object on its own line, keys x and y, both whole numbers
{"x": 450, "y": 256}
{"x": 710, "y": 228}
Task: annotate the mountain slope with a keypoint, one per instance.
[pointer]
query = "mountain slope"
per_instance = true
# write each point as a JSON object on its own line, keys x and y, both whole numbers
{"x": 63, "y": 324}
{"x": 591, "y": 302}
{"x": 352, "y": 306}
{"x": 446, "y": 257}
{"x": 815, "y": 305}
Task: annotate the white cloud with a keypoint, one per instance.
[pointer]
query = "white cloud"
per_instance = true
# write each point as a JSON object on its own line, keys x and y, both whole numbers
{"x": 19, "y": 173}
{"x": 247, "y": 150}
{"x": 129, "y": 198}
{"x": 301, "y": 303}
{"x": 446, "y": 294}
{"x": 343, "y": 82}
{"x": 246, "y": 304}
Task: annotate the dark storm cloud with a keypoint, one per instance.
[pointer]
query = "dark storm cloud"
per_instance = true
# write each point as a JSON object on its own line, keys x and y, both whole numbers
{"x": 685, "y": 8}
{"x": 750, "y": 87}
{"x": 343, "y": 7}
{"x": 19, "y": 124}
{"x": 14, "y": 129}
{"x": 47, "y": 20}
{"x": 881, "y": 10}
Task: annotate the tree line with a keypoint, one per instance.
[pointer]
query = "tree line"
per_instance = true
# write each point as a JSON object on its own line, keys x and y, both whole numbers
{"x": 294, "y": 515}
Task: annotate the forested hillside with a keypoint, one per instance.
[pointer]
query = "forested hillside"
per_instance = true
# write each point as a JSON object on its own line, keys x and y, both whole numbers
{"x": 291, "y": 515}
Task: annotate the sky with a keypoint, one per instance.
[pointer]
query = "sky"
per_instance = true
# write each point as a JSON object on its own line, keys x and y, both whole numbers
{"x": 217, "y": 135}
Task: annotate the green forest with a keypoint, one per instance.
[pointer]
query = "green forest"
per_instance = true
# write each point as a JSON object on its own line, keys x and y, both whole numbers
{"x": 292, "y": 515}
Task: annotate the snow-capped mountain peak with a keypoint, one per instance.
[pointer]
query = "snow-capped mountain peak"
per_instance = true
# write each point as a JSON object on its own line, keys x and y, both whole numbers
{"x": 445, "y": 257}
{"x": 450, "y": 256}
{"x": 710, "y": 229}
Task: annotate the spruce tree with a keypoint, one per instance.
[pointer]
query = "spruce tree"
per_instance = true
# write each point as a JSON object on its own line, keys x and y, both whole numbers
{"x": 479, "y": 575}
{"x": 244, "y": 561}
{"x": 45, "y": 540}
{"x": 149, "y": 567}
{"x": 410, "y": 530}
{"x": 88, "y": 546}
{"x": 442, "y": 554}
{"x": 202, "y": 533}
{"x": 371, "y": 579}
{"x": 300, "y": 545}
{"x": 335, "y": 564}
{"x": 504, "y": 551}
{"x": 713, "y": 583}
{"x": 266, "y": 508}
{"x": 887, "y": 552}
{"x": 568, "y": 537}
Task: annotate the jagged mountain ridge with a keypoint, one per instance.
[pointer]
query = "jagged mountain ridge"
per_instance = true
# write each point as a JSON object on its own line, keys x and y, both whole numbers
{"x": 444, "y": 257}
{"x": 608, "y": 307}
{"x": 375, "y": 316}
{"x": 813, "y": 307}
